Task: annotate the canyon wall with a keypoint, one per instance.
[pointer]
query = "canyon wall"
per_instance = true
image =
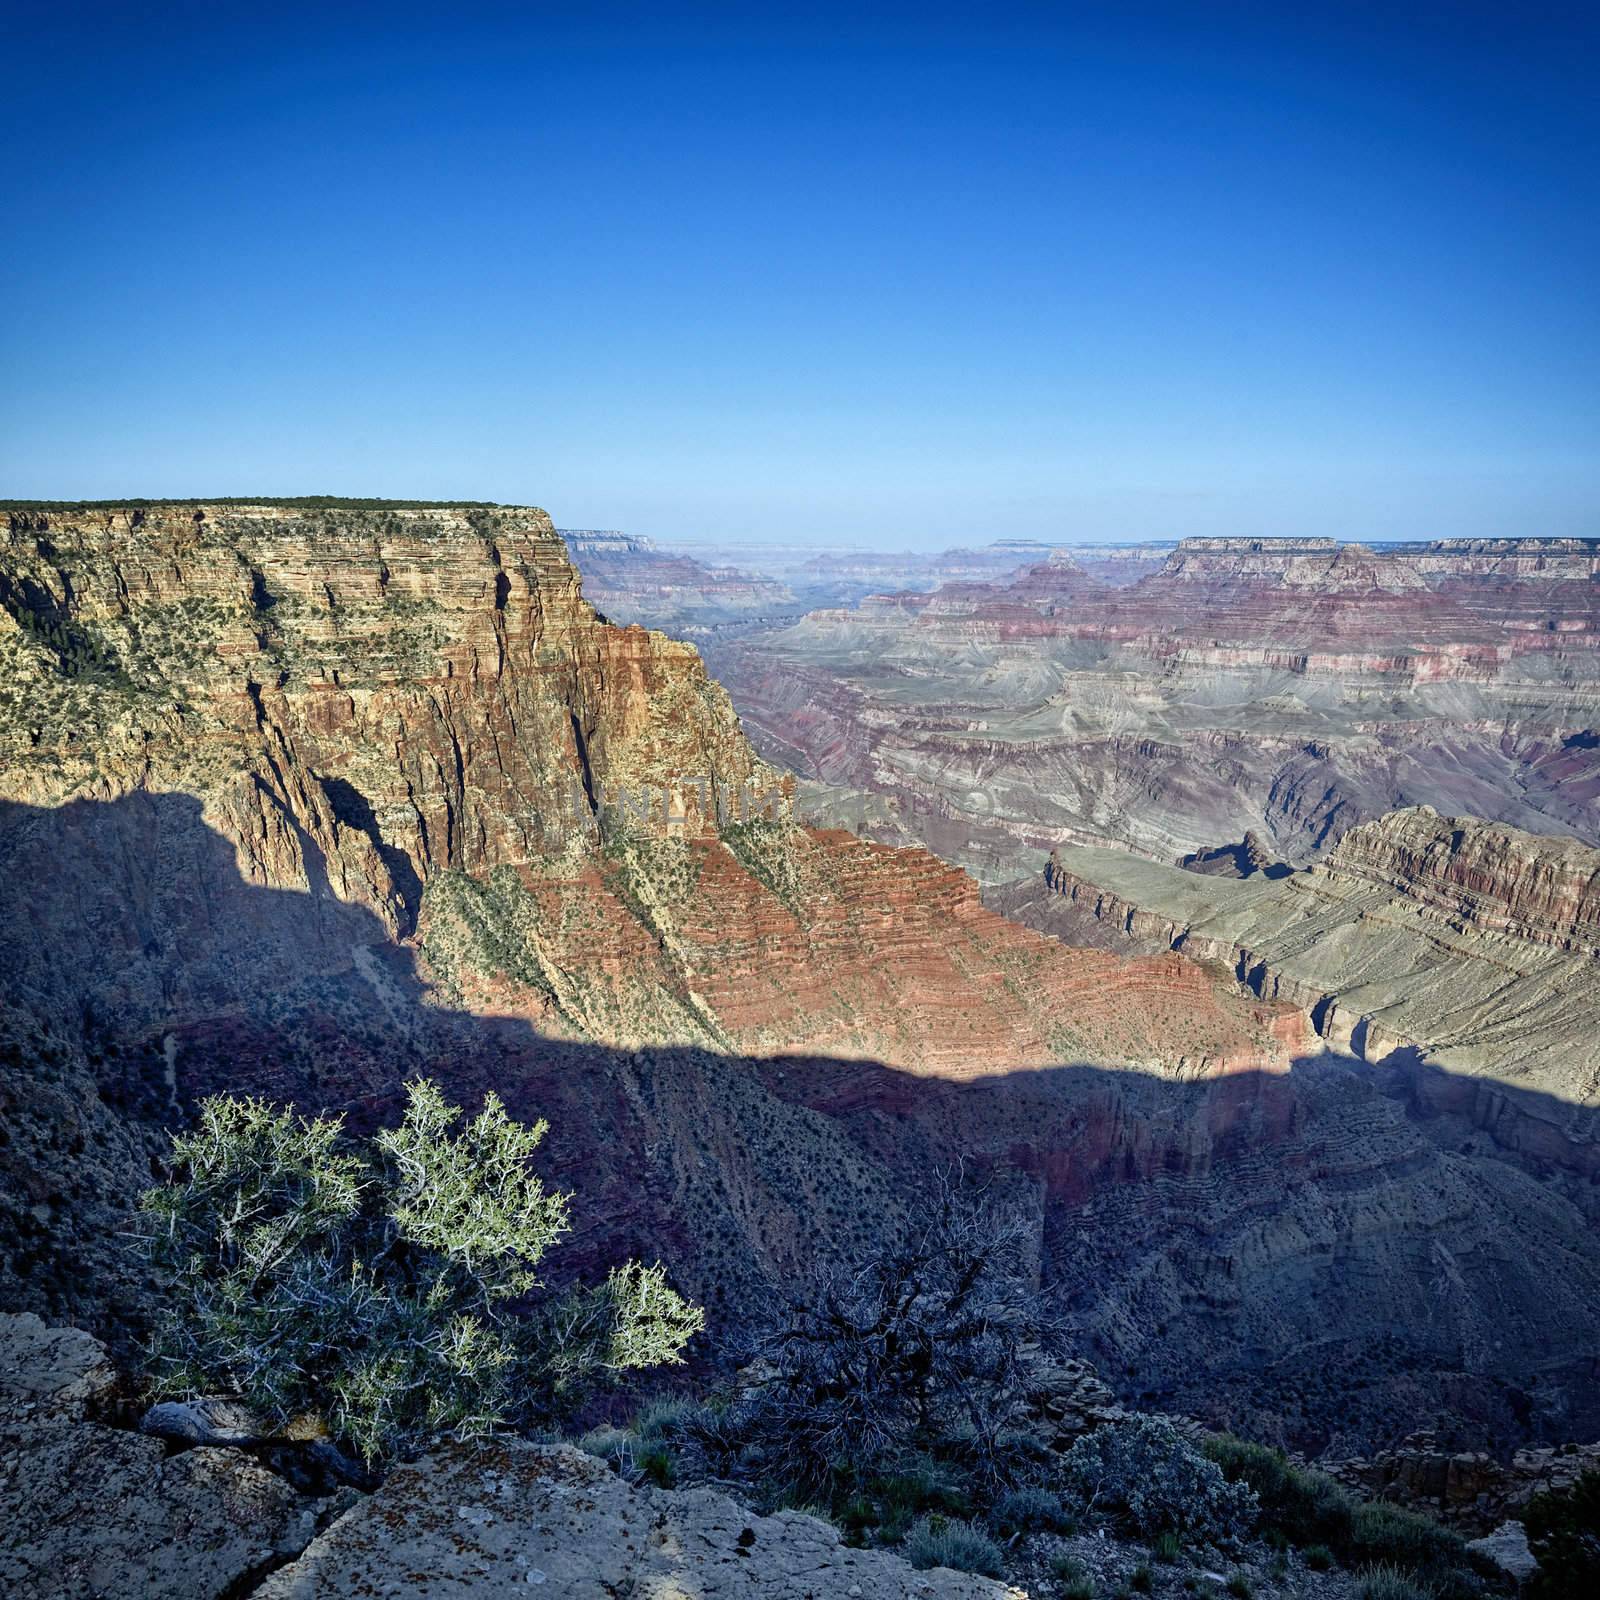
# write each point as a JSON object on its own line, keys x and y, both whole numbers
{"x": 1469, "y": 942}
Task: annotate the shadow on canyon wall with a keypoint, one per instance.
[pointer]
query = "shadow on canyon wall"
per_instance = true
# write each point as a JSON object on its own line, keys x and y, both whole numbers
{"x": 1329, "y": 1257}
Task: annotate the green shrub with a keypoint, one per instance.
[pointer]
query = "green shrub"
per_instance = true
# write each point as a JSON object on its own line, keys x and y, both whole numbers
{"x": 1239, "y": 1586}
{"x": 1382, "y": 1534}
{"x": 666, "y": 1418}
{"x": 1142, "y": 1579}
{"x": 1065, "y": 1567}
{"x": 1302, "y": 1506}
{"x": 611, "y": 1444}
{"x": 1078, "y": 1589}
{"x": 1309, "y": 1509}
{"x": 885, "y": 1504}
{"x": 1386, "y": 1582}
{"x": 656, "y": 1463}
{"x": 1029, "y": 1510}
{"x": 372, "y": 1285}
{"x": 1146, "y": 1473}
{"x": 940, "y": 1541}
{"x": 1167, "y": 1547}
{"x": 1564, "y": 1533}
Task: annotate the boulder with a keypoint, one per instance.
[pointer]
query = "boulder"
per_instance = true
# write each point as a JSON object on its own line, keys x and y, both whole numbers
{"x": 89, "y": 1511}
{"x": 207, "y": 1420}
{"x": 1062, "y": 1399}
{"x": 1508, "y": 1548}
{"x": 506, "y": 1517}
{"x": 50, "y": 1374}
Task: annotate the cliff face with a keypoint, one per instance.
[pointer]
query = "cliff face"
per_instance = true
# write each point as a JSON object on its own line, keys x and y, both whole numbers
{"x": 1496, "y": 879}
{"x": 410, "y": 691}
{"x": 631, "y": 580}
{"x": 1472, "y": 943}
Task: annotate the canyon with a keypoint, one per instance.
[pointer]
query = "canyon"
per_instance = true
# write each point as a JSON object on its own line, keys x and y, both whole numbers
{"x": 301, "y": 803}
{"x": 1288, "y": 688}
{"x": 696, "y": 589}
{"x": 631, "y": 579}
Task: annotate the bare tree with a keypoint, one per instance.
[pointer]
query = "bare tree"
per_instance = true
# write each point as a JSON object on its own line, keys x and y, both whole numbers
{"x": 925, "y": 1346}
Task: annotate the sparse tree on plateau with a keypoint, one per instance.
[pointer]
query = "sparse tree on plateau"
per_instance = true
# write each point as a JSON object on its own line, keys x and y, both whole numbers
{"x": 390, "y": 1289}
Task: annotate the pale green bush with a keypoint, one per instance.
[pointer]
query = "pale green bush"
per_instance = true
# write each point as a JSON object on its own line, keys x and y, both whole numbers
{"x": 1144, "y": 1472}
{"x": 939, "y": 1541}
{"x": 374, "y": 1287}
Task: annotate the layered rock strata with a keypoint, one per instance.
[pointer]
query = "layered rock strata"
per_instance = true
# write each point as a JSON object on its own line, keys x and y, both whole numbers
{"x": 1472, "y": 942}
{"x": 1290, "y": 688}
{"x": 631, "y": 579}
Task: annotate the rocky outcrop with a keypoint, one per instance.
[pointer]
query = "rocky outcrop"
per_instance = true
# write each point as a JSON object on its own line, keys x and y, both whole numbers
{"x": 50, "y": 1374}
{"x": 1486, "y": 877}
{"x": 89, "y": 1510}
{"x": 1466, "y": 941}
{"x": 500, "y": 1518}
{"x": 1470, "y": 942}
{"x": 1243, "y": 860}
{"x": 406, "y": 692}
{"x": 1469, "y": 1488}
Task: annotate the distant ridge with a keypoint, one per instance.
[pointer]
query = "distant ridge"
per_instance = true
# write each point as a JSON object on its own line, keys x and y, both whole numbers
{"x": 300, "y": 502}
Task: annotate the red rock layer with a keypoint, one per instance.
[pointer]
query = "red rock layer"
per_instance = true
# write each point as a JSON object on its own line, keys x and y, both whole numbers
{"x": 889, "y": 955}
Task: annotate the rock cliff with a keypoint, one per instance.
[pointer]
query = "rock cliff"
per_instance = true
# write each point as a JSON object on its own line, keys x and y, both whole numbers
{"x": 1471, "y": 942}
{"x": 630, "y": 579}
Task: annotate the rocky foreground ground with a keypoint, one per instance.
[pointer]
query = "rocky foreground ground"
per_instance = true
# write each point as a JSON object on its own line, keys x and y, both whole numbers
{"x": 93, "y": 1506}
{"x": 90, "y": 1509}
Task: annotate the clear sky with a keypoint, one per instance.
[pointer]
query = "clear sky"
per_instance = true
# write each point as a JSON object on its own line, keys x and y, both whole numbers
{"x": 857, "y": 274}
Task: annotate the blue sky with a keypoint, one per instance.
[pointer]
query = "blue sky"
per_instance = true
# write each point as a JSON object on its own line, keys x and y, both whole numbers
{"x": 894, "y": 277}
